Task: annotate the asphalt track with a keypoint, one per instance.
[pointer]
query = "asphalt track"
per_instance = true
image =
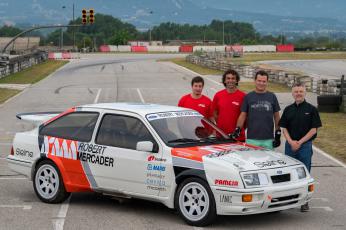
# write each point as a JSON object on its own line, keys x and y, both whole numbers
{"x": 136, "y": 78}
{"x": 328, "y": 69}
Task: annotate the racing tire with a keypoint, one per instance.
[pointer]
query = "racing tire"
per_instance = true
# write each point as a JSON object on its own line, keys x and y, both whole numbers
{"x": 48, "y": 183}
{"x": 195, "y": 202}
{"x": 329, "y": 100}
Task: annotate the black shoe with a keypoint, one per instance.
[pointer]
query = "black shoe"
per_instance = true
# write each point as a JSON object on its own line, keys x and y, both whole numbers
{"x": 305, "y": 207}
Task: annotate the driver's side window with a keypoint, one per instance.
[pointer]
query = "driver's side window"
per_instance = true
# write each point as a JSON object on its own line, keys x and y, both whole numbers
{"x": 122, "y": 132}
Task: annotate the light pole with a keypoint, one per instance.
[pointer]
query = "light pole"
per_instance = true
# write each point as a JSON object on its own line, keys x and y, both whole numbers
{"x": 223, "y": 32}
{"x": 73, "y": 29}
{"x": 151, "y": 13}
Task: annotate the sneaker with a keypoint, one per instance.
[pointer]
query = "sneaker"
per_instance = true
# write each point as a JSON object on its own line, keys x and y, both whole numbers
{"x": 305, "y": 207}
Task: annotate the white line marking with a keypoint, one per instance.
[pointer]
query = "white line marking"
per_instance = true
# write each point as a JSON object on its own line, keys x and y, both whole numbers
{"x": 323, "y": 199}
{"x": 97, "y": 96}
{"x": 218, "y": 83}
{"x": 140, "y": 95}
{"x": 2, "y": 158}
{"x": 328, "y": 209}
{"x": 328, "y": 156}
{"x": 24, "y": 207}
{"x": 60, "y": 218}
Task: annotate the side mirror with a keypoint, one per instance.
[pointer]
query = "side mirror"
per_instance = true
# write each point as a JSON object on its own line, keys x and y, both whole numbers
{"x": 145, "y": 146}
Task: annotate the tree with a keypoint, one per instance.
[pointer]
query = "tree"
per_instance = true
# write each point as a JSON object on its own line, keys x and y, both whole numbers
{"x": 9, "y": 31}
{"x": 120, "y": 38}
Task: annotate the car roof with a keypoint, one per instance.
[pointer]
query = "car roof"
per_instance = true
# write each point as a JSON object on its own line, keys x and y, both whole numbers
{"x": 139, "y": 108}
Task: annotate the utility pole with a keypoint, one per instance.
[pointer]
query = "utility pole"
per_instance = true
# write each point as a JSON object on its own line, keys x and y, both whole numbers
{"x": 61, "y": 39}
{"x": 223, "y": 32}
{"x": 73, "y": 30}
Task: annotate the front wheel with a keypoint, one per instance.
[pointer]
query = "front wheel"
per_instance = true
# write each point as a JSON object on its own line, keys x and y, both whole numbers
{"x": 195, "y": 202}
{"x": 48, "y": 183}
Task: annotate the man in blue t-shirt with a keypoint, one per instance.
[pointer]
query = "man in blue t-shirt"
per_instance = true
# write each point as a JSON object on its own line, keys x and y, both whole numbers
{"x": 260, "y": 109}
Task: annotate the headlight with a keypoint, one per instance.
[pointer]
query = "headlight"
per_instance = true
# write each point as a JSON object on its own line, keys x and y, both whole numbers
{"x": 301, "y": 172}
{"x": 253, "y": 179}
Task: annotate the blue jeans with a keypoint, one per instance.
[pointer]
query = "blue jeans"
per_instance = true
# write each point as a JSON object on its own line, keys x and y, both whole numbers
{"x": 303, "y": 154}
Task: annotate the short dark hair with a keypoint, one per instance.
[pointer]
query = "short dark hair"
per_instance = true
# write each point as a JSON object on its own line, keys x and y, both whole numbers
{"x": 230, "y": 71}
{"x": 197, "y": 79}
{"x": 262, "y": 73}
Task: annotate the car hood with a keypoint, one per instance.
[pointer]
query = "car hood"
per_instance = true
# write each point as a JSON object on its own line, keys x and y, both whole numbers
{"x": 239, "y": 155}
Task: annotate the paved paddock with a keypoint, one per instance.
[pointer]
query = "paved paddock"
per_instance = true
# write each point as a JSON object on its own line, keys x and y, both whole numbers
{"x": 135, "y": 78}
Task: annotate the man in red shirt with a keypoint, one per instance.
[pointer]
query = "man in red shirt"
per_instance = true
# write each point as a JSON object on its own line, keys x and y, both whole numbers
{"x": 227, "y": 103}
{"x": 196, "y": 100}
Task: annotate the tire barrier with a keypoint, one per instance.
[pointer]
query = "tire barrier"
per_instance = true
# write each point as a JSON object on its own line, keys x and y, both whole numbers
{"x": 329, "y": 103}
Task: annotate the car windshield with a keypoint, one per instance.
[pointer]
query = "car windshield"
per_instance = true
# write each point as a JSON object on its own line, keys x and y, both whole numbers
{"x": 186, "y": 128}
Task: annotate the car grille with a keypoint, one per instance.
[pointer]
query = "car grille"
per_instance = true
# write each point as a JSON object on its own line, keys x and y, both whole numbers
{"x": 281, "y": 178}
{"x": 283, "y": 201}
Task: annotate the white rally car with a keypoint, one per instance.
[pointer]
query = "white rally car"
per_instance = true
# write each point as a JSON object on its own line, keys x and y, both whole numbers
{"x": 161, "y": 153}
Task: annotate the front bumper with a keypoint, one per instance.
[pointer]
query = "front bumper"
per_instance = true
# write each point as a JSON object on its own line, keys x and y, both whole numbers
{"x": 266, "y": 199}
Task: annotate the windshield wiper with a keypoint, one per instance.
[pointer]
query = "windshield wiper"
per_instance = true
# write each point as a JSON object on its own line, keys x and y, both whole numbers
{"x": 184, "y": 140}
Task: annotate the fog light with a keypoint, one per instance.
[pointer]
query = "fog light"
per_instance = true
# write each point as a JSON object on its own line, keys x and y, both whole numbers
{"x": 311, "y": 188}
{"x": 247, "y": 198}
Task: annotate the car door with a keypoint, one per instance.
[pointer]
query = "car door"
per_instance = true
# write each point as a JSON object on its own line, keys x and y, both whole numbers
{"x": 130, "y": 171}
{"x": 60, "y": 140}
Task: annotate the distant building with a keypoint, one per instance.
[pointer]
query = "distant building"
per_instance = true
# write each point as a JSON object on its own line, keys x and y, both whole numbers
{"x": 144, "y": 43}
{"x": 20, "y": 44}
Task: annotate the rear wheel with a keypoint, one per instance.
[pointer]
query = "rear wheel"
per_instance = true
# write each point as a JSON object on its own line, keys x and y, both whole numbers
{"x": 48, "y": 183}
{"x": 195, "y": 202}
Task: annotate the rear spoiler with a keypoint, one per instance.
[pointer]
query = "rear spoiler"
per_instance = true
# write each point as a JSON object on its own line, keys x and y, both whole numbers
{"x": 37, "y": 118}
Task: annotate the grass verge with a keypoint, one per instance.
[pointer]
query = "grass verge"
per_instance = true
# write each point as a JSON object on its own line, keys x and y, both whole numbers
{"x": 244, "y": 86}
{"x": 253, "y": 57}
{"x": 331, "y": 136}
{"x": 272, "y": 87}
{"x": 5, "y": 94}
{"x": 196, "y": 68}
{"x": 34, "y": 73}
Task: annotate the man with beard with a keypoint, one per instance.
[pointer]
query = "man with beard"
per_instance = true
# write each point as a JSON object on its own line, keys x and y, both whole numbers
{"x": 227, "y": 104}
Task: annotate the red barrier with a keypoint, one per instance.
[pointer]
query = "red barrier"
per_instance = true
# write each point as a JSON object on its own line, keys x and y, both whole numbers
{"x": 186, "y": 49}
{"x": 66, "y": 55}
{"x": 285, "y": 48}
{"x": 139, "y": 49}
{"x": 234, "y": 48}
{"x": 104, "y": 48}
{"x": 51, "y": 55}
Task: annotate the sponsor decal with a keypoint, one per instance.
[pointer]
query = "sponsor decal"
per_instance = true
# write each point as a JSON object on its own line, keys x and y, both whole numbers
{"x": 155, "y": 175}
{"x": 75, "y": 150}
{"x": 161, "y": 189}
{"x": 155, "y": 116}
{"x": 219, "y": 154}
{"x": 155, "y": 182}
{"x": 153, "y": 167}
{"x": 153, "y": 158}
{"x": 225, "y": 199}
{"x": 201, "y": 105}
{"x": 235, "y": 103}
{"x": 231, "y": 183}
{"x": 270, "y": 163}
{"x": 24, "y": 153}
